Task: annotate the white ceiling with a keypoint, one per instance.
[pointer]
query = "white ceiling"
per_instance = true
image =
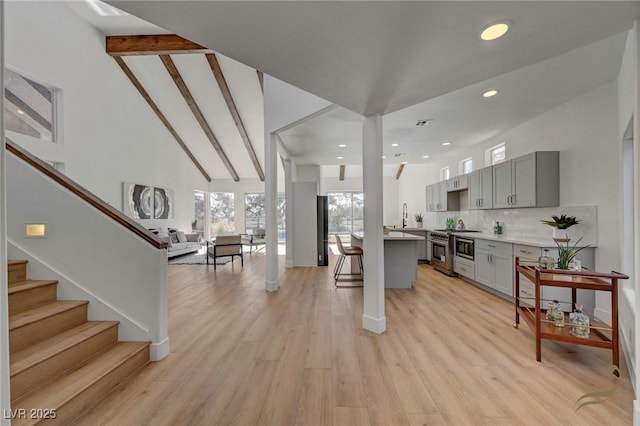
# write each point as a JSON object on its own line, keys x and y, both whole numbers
{"x": 408, "y": 60}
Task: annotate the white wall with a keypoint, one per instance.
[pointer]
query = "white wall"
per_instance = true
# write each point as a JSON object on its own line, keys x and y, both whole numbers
{"x": 93, "y": 257}
{"x": 305, "y": 236}
{"x": 110, "y": 134}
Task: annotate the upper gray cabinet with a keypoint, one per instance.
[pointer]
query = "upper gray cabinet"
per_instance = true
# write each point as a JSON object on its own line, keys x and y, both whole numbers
{"x": 532, "y": 180}
{"x": 439, "y": 200}
{"x": 481, "y": 189}
{"x": 457, "y": 183}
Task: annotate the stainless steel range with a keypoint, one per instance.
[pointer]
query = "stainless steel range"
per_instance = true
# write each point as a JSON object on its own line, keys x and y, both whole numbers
{"x": 443, "y": 250}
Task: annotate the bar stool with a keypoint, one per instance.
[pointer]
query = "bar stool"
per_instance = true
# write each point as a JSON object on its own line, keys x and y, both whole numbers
{"x": 351, "y": 251}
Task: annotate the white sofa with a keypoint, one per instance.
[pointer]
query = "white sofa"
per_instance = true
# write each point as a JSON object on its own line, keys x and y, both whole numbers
{"x": 178, "y": 242}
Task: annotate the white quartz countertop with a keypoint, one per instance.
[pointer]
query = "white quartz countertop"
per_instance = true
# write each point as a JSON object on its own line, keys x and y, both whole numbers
{"x": 529, "y": 241}
{"x": 409, "y": 229}
{"x": 392, "y": 236}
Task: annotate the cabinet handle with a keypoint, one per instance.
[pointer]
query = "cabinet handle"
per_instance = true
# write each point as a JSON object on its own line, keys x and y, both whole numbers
{"x": 525, "y": 251}
{"x": 509, "y": 199}
{"x": 491, "y": 245}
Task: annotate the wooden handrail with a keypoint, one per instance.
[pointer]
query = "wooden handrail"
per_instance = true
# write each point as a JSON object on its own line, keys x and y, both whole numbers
{"x": 87, "y": 196}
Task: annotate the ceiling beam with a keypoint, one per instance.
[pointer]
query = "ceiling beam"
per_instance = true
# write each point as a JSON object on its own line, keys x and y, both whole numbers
{"x": 160, "y": 115}
{"x": 226, "y": 94}
{"x": 159, "y": 44}
{"x": 342, "y": 168}
{"x": 261, "y": 80}
{"x": 399, "y": 172}
{"x": 186, "y": 94}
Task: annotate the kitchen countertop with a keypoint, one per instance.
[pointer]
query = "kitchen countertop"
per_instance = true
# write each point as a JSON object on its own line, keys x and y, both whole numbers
{"x": 530, "y": 241}
{"x": 408, "y": 229}
{"x": 393, "y": 236}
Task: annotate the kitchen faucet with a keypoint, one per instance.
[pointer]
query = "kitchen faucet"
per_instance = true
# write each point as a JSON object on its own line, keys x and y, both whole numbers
{"x": 405, "y": 215}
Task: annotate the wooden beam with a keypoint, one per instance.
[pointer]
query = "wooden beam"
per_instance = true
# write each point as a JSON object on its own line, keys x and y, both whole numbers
{"x": 159, "y": 44}
{"x": 399, "y": 172}
{"x": 261, "y": 80}
{"x": 226, "y": 94}
{"x": 160, "y": 115}
{"x": 342, "y": 168}
{"x": 186, "y": 94}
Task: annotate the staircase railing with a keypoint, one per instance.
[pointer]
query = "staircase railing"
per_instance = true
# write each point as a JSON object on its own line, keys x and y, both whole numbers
{"x": 84, "y": 194}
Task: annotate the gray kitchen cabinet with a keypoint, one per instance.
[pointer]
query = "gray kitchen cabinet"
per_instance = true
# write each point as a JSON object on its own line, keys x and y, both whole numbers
{"x": 442, "y": 196}
{"x": 422, "y": 245}
{"x": 458, "y": 183}
{"x": 431, "y": 198}
{"x": 532, "y": 180}
{"x": 481, "y": 189}
{"x": 493, "y": 265}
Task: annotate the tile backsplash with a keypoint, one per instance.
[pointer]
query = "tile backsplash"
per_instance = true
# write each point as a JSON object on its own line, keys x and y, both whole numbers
{"x": 524, "y": 222}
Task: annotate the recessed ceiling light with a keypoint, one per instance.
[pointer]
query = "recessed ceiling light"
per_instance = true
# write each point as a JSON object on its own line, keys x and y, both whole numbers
{"x": 446, "y": 143}
{"x": 341, "y": 145}
{"x": 494, "y": 31}
{"x": 384, "y": 156}
{"x": 395, "y": 144}
{"x": 339, "y": 158}
{"x": 490, "y": 93}
{"x": 425, "y": 156}
{"x": 19, "y": 111}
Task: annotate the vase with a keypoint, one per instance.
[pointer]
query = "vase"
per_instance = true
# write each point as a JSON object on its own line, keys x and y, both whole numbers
{"x": 560, "y": 235}
{"x": 419, "y": 224}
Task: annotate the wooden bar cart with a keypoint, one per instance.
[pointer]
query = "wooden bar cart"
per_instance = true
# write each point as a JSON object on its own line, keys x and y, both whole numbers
{"x": 600, "y": 335}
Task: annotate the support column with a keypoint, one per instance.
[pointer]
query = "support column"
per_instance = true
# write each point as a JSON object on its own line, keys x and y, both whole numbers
{"x": 636, "y": 225}
{"x": 373, "y": 318}
{"x": 289, "y": 202}
{"x": 207, "y": 216}
{"x": 271, "y": 228}
{"x": 5, "y": 401}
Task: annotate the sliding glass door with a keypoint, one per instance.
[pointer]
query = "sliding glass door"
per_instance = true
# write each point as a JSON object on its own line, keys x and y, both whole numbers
{"x": 346, "y": 212}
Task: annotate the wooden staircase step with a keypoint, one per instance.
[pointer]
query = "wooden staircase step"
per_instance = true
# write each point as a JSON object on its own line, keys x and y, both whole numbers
{"x": 74, "y": 392}
{"x": 30, "y": 293}
{"x": 17, "y": 271}
{"x": 44, "y": 321}
{"x": 41, "y": 362}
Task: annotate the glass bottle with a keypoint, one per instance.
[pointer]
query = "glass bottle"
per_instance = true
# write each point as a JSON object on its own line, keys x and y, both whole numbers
{"x": 543, "y": 260}
{"x": 555, "y": 315}
{"x": 579, "y": 323}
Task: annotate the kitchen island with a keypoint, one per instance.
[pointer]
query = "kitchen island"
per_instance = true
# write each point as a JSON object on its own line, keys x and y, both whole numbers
{"x": 400, "y": 258}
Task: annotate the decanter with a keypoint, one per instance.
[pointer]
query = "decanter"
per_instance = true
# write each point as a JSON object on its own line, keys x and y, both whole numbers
{"x": 579, "y": 323}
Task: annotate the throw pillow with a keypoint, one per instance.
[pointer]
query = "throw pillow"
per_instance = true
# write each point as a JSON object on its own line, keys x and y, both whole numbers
{"x": 174, "y": 237}
{"x": 181, "y": 237}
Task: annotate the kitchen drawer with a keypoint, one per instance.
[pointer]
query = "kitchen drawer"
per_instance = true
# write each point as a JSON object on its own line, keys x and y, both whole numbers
{"x": 527, "y": 252}
{"x": 495, "y": 246}
{"x": 527, "y": 292}
{"x": 465, "y": 269}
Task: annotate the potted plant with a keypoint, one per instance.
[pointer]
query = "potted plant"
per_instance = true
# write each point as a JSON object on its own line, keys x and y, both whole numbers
{"x": 419, "y": 218}
{"x": 563, "y": 222}
{"x": 566, "y": 253}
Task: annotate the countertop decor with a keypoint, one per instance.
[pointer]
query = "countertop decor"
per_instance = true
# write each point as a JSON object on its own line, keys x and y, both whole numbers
{"x": 560, "y": 223}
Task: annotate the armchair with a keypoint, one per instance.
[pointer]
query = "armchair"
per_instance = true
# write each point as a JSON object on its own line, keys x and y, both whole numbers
{"x": 225, "y": 245}
{"x": 255, "y": 239}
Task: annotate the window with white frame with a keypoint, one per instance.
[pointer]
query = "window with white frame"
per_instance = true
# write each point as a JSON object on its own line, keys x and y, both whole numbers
{"x": 466, "y": 166}
{"x": 30, "y": 107}
{"x": 444, "y": 173}
{"x": 496, "y": 154}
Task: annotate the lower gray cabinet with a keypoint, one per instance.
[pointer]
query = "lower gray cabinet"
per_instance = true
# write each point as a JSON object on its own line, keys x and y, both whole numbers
{"x": 493, "y": 265}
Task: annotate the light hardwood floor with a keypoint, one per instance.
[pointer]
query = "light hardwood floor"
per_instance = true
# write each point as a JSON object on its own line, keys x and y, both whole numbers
{"x": 450, "y": 356}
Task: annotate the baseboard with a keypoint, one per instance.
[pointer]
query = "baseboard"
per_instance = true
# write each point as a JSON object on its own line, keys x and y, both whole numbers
{"x": 289, "y": 264}
{"x": 158, "y": 351}
{"x": 630, "y": 362}
{"x": 375, "y": 325}
{"x": 272, "y": 286}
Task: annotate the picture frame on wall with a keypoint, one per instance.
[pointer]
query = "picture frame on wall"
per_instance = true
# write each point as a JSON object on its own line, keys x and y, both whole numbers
{"x": 137, "y": 200}
{"x": 162, "y": 203}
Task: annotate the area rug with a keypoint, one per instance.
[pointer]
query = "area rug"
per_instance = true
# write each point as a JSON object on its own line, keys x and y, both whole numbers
{"x": 197, "y": 259}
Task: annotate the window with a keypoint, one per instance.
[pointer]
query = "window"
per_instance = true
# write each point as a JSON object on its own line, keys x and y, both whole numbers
{"x": 466, "y": 166}
{"x": 222, "y": 213}
{"x": 444, "y": 173}
{"x": 346, "y": 212}
{"x": 200, "y": 208}
{"x": 29, "y": 107}
{"x": 254, "y": 213}
{"x": 496, "y": 155}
